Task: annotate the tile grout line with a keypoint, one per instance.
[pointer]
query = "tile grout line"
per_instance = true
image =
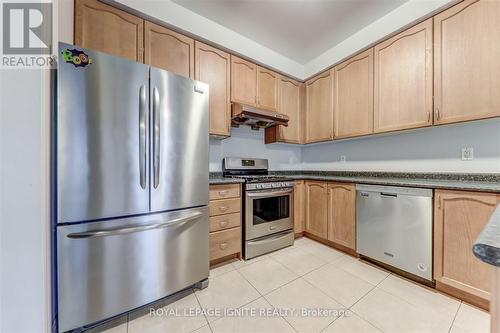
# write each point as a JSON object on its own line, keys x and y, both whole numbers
{"x": 204, "y": 314}
{"x": 455, "y": 317}
{"x": 358, "y": 314}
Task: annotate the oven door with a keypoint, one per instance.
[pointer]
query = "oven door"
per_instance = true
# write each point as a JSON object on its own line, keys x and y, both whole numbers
{"x": 268, "y": 212}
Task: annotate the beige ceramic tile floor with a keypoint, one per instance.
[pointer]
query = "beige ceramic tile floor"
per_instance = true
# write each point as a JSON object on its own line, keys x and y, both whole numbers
{"x": 311, "y": 288}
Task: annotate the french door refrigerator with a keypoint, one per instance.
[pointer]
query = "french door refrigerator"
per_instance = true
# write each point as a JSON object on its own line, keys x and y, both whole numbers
{"x": 131, "y": 185}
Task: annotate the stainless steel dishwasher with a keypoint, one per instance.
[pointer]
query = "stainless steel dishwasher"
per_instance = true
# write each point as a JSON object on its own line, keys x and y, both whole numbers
{"x": 394, "y": 226}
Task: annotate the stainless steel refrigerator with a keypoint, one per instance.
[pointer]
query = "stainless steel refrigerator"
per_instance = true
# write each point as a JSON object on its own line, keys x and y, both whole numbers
{"x": 131, "y": 185}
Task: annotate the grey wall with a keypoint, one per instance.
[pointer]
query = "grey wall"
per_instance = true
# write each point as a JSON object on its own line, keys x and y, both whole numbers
{"x": 423, "y": 150}
{"x": 24, "y": 219}
{"x": 245, "y": 142}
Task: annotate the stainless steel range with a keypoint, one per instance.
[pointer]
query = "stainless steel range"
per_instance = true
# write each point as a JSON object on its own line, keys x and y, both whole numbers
{"x": 268, "y": 206}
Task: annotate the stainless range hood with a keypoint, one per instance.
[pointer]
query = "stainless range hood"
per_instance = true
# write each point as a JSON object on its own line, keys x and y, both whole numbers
{"x": 256, "y": 118}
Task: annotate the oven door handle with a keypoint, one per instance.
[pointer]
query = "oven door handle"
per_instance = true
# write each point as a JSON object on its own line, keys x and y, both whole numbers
{"x": 266, "y": 194}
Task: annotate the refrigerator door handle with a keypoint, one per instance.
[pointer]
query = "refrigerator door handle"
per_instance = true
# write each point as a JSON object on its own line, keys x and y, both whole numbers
{"x": 142, "y": 136}
{"x": 156, "y": 137}
{"x": 129, "y": 230}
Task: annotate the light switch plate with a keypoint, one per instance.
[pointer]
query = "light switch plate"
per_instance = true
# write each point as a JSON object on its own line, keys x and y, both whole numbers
{"x": 343, "y": 158}
{"x": 467, "y": 154}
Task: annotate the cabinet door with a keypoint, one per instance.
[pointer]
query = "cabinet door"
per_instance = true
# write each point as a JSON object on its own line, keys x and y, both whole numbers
{"x": 289, "y": 103}
{"x": 299, "y": 207}
{"x": 403, "y": 80}
{"x": 458, "y": 220}
{"x": 213, "y": 66}
{"x": 243, "y": 81}
{"x": 316, "y": 208}
{"x": 319, "y": 110}
{"x": 168, "y": 50}
{"x": 342, "y": 214}
{"x": 467, "y": 62}
{"x": 267, "y": 89}
{"x": 353, "y": 97}
{"x": 103, "y": 28}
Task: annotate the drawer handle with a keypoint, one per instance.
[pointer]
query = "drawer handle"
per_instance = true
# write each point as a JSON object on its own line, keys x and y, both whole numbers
{"x": 223, "y": 246}
{"x": 222, "y": 208}
{"x": 222, "y": 223}
{"x": 223, "y": 193}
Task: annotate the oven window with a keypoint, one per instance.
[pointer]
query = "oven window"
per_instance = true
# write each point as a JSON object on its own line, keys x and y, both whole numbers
{"x": 271, "y": 209}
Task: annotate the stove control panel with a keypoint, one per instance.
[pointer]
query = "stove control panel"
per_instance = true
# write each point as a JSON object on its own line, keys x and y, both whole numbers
{"x": 270, "y": 185}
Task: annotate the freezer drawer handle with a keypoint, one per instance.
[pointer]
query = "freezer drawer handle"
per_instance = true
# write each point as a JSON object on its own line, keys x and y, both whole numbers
{"x": 129, "y": 230}
{"x": 142, "y": 136}
{"x": 156, "y": 137}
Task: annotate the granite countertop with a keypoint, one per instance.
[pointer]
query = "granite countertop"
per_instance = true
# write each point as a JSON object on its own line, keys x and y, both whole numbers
{"x": 222, "y": 180}
{"x": 487, "y": 246}
{"x": 455, "y": 181}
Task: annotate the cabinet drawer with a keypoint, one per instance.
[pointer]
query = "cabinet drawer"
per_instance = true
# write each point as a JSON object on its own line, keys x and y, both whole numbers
{"x": 226, "y": 221}
{"x": 224, "y": 191}
{"x": 224, "y": 243}
{"x": 227, "y": 206}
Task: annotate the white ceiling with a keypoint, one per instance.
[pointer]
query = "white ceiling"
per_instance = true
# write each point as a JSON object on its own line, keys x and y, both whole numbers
{"x": 300, "y": 30}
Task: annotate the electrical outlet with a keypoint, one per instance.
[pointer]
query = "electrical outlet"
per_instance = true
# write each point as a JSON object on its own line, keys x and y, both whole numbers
{"x": 467, "y": 154}
{"x": 343, "y": 159}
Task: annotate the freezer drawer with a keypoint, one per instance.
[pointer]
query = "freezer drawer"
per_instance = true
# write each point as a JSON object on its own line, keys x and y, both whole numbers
{"x": 394, "y": 226}
{"x": 107, "y": 268}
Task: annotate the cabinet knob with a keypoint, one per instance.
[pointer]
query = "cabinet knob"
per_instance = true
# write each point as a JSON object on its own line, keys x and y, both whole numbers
{"x": 223, "y": 193}
{"x": 222, "y": 223}
{"x": 222, "y": 208}
{"x": 223, "y": 246}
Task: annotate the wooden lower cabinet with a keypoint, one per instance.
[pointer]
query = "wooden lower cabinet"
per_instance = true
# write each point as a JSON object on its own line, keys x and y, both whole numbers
{"x": 459, "y": 217}
{"x": 225, "y": 222}
{"x": 342, "y": 214}
{"x": 316, "y": 208}
{"x": 299, "y": 207}
{"x": 331, "y": 212}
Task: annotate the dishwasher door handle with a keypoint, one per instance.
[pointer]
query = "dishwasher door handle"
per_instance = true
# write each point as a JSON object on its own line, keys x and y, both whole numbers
{"x": 389, "y": 195}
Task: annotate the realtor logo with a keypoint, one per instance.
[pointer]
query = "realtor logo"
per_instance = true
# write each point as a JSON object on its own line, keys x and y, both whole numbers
{"x": 27, "y": 28}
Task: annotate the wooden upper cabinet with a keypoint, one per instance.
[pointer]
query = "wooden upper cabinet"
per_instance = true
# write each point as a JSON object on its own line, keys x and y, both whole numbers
{"x": 267, "y": 89}
{"x": 103, "y": 28}
{"x": 403, "y": 80}
{"x": 467, "y": 62}
{"x": 353, "y": 96}
{"x": 213, "y": 66}
{"x": 342, "y": 214}
{"x": 169, "y": 50}
{"x": 299, "y": 206}
{"x": 459, "y": 217}
{"x": 316, "y": 208}
{"x": 290, "y": 103}
{"x": 243, "y": 81}
{"x": 319, "y": 108}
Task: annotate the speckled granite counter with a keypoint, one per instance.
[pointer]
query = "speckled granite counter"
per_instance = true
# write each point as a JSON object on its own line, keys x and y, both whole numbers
{"x": 487, "y": 246}
{"x": 470, "y": 182}
{"x": 215, "y": 178}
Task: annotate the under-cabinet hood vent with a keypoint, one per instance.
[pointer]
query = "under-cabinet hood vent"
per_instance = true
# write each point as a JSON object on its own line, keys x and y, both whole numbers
{"x": 242, "y": 114}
